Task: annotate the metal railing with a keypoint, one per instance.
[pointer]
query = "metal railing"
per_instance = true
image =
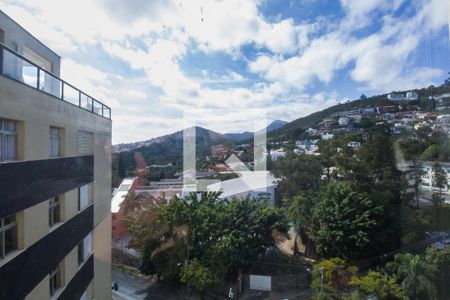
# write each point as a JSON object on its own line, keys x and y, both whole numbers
{"x": 19, "y": 68}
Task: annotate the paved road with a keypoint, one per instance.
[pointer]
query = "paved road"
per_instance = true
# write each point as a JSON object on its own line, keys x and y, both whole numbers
{"x": 137, "y": 288}
{"x": 130, "y": 287}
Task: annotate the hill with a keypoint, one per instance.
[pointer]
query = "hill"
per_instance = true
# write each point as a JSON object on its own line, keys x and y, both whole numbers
{"x": 247, "y": 135}
{"x": 290, "y": 130}
{"x": 165, "y": 150}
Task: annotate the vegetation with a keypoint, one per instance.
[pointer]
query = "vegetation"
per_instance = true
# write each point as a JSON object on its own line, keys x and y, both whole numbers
{"x": 203, "y": 240}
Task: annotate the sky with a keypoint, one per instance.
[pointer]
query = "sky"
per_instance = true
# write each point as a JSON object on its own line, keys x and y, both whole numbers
{"x": 151, "y": 61}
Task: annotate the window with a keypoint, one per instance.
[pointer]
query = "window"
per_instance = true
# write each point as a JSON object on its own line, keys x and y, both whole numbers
{"x": 8, "y": 235}
{"x": 84, "y": 196}
{"x": 55, "y": 142}
{"x": 55, "y": 279}
{"x": 54, "y": 211}
{"x": 85, "y": 143}
{"x": 84, "y": 248}
{"x": 8, "y": 140}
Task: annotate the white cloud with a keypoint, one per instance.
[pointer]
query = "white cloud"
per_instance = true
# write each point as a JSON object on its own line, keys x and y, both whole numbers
{"x": 153, "y": 38}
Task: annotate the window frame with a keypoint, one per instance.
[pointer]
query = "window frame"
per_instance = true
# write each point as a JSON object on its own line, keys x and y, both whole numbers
{"x": 53, "y": 138}
{"x": 3, "y": 229}
{"x": 54, "y": 205}
{"x": 55, "y": 279}
{"x": 89, "y": 195}
{"x": 4, "y": 132}
{"x": 88, "y": 138}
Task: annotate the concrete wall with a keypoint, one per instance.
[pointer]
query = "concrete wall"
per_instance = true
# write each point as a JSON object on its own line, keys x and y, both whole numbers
{"x": 16, "y": 38}
{"x": 36, "y": 112}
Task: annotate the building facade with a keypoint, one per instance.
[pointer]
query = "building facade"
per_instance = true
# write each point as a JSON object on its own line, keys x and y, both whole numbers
{"x": 117, "y": 210}
{"x": 428, "y": 178}
{"x": 55, "y": 177}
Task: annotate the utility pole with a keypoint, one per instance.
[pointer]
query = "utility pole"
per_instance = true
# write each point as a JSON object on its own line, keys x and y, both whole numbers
{"x": 321, "y": 273}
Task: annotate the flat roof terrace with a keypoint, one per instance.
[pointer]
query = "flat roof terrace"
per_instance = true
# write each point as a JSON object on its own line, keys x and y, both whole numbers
{"x": 17, "y": 67}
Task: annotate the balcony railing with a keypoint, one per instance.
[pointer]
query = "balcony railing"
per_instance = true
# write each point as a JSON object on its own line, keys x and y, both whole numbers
{"x": 17, "y": 67}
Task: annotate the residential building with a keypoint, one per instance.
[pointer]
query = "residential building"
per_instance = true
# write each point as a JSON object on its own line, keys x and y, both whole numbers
{"x": 260, "y": 185}
{"x": 428, "y": 177}
{"x": 55, "y": 177}
{"x": 343, "y": 121}
{"x": 354, "y": 145}
{"x": 276, "y": 154}
{"x": 326, "y": 136}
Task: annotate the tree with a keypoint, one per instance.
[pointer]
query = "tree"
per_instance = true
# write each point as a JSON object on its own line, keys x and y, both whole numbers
{"x": 328, "y": 151}
{"x": 416, "y": 174}
{"x": 379, "y": 285}
{"x": 222, "y": 236}
{"x": 342, "y": 219}
{"x": 196, "y": 276}
{"x": 362, "y": 97}
{"x": 121, "y": 166}
{"x": 298, "y": 173}
{"x": 440, "y": 181}
{"x": 440, "y": 259}
{"x": 415, "y": 274}
{"x": 331, "y": 276}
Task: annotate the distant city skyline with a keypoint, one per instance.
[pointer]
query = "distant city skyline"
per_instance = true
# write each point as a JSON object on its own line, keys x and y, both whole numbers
{"x": 152, "y": 60}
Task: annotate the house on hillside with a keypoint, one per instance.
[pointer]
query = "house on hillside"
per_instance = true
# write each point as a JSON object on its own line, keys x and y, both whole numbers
{"x": 354, "y": 145}
{"x": 343, "y": 121}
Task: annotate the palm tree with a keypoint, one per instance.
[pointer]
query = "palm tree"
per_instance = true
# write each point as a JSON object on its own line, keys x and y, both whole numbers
{"x": 415, "y": 274}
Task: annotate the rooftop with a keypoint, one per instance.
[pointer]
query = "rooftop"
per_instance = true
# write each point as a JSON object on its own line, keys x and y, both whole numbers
{"x": 16, "y": 67}
{"x": 120, "y": 193}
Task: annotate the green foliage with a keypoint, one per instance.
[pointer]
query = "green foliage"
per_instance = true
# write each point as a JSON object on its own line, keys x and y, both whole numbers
{"x": 336, "y": 275}
{"x": 379, "y": 285}
{"x": 196, "y": 276}
{"x": 415, "y": 274}
{"x": 291, "y": 129}
{"x": 223, "y": 236}
{"x": 342, "y": 219}
{"x": 298, "y": 173}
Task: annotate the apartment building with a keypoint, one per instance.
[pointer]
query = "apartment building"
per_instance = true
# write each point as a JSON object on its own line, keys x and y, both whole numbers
{"x": 55, "y": 177}
{"x": 428, "y": 178}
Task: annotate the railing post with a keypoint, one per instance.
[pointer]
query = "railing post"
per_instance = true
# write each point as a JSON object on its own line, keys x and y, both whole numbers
{"x": 62, "y": 90}
{"x": 38, "y": 82}
{"x": 102, "y": 110}
{"x": 92, "y": 109}
{"x": 79, "y": 98}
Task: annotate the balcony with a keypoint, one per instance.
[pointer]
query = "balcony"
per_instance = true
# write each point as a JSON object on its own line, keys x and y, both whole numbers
{"x": 15, "y": 66}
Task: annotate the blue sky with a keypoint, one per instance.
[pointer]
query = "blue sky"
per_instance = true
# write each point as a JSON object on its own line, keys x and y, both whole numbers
{"x": 153, "y": 60}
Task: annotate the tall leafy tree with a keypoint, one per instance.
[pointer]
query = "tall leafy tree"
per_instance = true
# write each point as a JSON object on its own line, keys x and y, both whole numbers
{"x": 330, "y": 277}
{"x": 415, "y": 274}
{"x": 202, "y": 237}
{"x": 377, "y": 285}
{"x": 440, "y": 181}
{"x": 298, "y": 173}
{"x": 342, "y": 220}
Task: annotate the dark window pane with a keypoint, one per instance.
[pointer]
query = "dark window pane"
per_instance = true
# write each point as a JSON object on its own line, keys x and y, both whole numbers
{"x": 10, "y": 240}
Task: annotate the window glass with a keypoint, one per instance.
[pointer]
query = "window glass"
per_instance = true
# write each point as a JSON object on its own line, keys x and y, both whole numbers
{"x": 55, "y": 142}
{"x": 8, "y": 235}
{"x": 55, "y": 280}
{"x": 84, "y": 248}
{"x": 54, "y": 212}
{"x": 85, "y": 142}
{"x": 84, "y": 193}
{"x": 8, "y": 140}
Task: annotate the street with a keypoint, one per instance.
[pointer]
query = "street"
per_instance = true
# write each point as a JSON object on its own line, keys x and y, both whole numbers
{"x": 130, "y": 287}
